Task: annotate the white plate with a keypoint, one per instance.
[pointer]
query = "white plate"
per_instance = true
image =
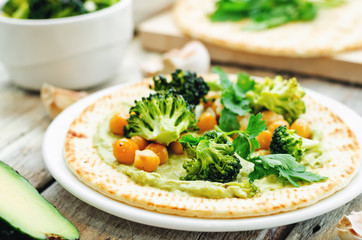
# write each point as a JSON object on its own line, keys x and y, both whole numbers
{"x": 53, "y": 147}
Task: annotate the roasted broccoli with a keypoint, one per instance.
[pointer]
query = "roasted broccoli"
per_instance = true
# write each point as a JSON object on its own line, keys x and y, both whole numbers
{"x": 212, "y": 156}
{"x": 185, "y": 83}
{"x": 45, "y": 9}
{"x": 278, "y": 95}
{"x": 287, "y": 141}
{"x": 161, "y": 117}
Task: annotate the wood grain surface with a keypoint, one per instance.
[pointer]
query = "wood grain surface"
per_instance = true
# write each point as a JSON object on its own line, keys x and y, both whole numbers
{"x": 23, "y": 122}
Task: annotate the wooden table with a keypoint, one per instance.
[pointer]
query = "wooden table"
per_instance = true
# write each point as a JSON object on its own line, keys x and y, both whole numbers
{"x": 23, "y": 121}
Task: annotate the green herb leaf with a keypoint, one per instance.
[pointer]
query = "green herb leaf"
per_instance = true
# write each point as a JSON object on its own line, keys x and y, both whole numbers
{"x": 266, "y": 14}
{"x": 228, "y": 121}
{"x": 189, "y": 144}
{"x": 255, "y": 126}
{"x": 243, "y": 85}
{"x": 214, "y": 86}
{"x": 245, "y": 143}
{"x": 284, "y": 166}
{"x": 189, "y": 139}
{"x": 233, "y": 102}
{"x": 224, "y": 79}
{"x": 242, "y": 146}
{"x": 329, "y": 3}
{"x": 233, "y": 98}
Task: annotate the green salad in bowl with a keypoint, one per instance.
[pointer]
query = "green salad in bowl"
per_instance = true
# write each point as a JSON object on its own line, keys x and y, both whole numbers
{"x": 47, "y": 9}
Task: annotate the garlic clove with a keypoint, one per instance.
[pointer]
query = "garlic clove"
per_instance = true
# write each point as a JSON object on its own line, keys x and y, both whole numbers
{"x": 350, "y": 227}
{"x": 152, "y": 67}
{"x": 56, "y": 99}
{"x": 194, "y": 56}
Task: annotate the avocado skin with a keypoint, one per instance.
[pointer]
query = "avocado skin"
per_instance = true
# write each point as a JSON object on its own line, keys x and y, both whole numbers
{"x": 8, "y": 232}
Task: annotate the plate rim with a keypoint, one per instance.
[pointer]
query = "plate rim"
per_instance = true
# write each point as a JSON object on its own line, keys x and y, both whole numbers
{"x": 54, "y": 143}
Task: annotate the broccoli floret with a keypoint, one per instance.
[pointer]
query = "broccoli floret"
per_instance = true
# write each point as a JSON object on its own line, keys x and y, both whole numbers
{"x": 278, "y": 95}
{"x": 287, "y": 141}
{"x": 213, "y": 158}
{"x": 185, "y": 83}
{"x": 161, "y": 117}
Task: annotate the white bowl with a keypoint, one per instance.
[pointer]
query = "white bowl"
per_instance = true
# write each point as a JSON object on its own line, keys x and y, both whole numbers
{"x": 146, "y": 8}
{"x": 74, "y": 52}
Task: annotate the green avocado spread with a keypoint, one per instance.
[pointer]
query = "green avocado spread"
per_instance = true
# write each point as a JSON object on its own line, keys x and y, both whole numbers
{"x": 167, "y": 176}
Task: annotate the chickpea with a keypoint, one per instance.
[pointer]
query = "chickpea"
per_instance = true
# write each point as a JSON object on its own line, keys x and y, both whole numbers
{"x": 140, "y": 141}
{"x": 243, "y": 121}
{"x": 206, "y": 122}
{"x": 146, "y": 160}
{"x": 176, "y": 148}
{"x": 160, "y": 150}
{"x": 276, "y": 124}
{"x": 264, "y": 139}
{"x": 124, "y": 150}
{"x": 217, "y": 107}
{"x": 117, "y": 123}
{"x": 270, "y": 116}
{"x": 263, "y": 152}
{"x": 302, "y": 128}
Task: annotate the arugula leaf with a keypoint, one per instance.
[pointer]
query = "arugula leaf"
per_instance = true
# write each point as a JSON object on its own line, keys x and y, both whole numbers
{"x": 284, "y": 166}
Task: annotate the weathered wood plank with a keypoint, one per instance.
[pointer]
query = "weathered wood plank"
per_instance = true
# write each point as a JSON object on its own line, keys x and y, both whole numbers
{"x": 23, "y": 123}
{"x": 278, "y": 233}
{"x": 20, "y": 112}
{"x": 25, "y": 155}
{"x": 95, "y": 224}
{"x": 323, "y": 227}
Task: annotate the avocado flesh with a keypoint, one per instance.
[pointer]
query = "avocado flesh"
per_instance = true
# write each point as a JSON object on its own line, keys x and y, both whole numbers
{"x": 26, "y": 211}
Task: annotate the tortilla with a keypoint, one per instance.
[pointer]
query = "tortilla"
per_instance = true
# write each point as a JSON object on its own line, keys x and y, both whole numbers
{"x": 334, "y": 30}
{"x": 84, "y": 161}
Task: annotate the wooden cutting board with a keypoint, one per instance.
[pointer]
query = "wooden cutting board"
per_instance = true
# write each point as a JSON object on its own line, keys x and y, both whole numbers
{"x": 160, "y": 33}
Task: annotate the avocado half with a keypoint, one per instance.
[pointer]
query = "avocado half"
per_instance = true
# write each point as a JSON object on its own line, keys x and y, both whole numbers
{"x": 25, "y": 214}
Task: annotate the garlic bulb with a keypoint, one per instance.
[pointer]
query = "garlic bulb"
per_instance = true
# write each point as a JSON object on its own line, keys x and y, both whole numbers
{"x": 350, "y": 227}
{"x": 193, "y": 57}
{"x": 56, "y": 99}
